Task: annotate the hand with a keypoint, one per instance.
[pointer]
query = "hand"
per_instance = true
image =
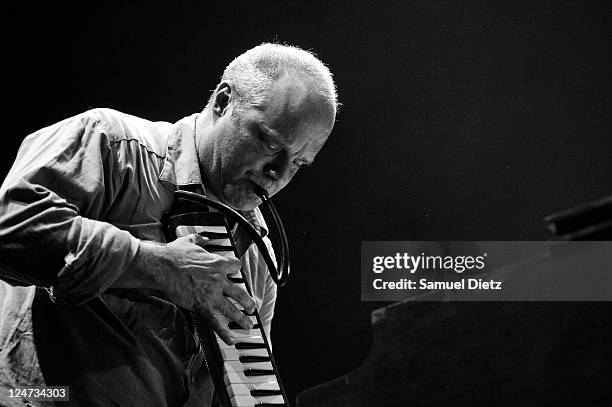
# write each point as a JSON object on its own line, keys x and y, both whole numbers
{"x": 201, "y": 285}
{"x": 194, "y": 279}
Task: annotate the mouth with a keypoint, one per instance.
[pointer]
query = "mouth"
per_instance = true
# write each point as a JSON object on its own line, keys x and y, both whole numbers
{"x": 261, "y": 192}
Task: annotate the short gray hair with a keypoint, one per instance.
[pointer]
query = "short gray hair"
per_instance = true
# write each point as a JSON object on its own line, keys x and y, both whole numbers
{"x": 253, "y": 72}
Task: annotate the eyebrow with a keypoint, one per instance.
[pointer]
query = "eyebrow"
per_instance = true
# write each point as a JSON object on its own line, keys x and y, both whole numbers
{"x": 266, "y": 131}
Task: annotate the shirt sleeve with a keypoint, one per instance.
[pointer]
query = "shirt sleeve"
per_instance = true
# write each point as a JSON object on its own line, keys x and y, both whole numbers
{"x": 52, "y": 207}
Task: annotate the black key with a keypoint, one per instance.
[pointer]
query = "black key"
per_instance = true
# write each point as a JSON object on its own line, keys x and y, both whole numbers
{"x": 248, "y": 345}
{"x": 254, "y": 359}
{"x": 258, "y": 372}
{"x": 235, "y": 325}
{"x": 213, "y": 248}
{"x": 270, "y": 405}
{"x": 262, "y": 393}
{"x": 214, "y": 235}
{"x": 236, "y": 280}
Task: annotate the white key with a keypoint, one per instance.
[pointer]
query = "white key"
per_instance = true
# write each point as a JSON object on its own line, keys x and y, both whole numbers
{"x": 223, "y": 345}
{"x": 223, "y": 241}
{"x": 184, "y": 230}
{"x": 229, "y": 254}
{"x": 236, "y": 389}
{"x": 240, "y": 377}
{"x": 234, "y": 354}
{"x": 257, "y": 339}
{"x": 237, "y": 366}
{"x": 249, "y": 401}
{"x": 214, "y": 229}
{"x": 246, "y": 333}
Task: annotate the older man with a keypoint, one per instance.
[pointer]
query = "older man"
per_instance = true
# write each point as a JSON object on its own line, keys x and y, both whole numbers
{"x": 93, "y": 297}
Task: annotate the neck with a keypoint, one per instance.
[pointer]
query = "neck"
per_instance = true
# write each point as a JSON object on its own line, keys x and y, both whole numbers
{"x": 203, "y": 122}
{"x": 205, "y": 148}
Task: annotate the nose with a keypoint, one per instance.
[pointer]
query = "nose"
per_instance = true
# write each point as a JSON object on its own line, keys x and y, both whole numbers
{"x": 277, "y": 168}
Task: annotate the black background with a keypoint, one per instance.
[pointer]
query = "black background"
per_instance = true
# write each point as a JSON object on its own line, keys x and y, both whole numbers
{"x": 461, "y": 121}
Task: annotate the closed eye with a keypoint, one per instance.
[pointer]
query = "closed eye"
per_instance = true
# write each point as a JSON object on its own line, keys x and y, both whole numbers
{"x": 273, "y": 147}
{"x": 269, "y": 145}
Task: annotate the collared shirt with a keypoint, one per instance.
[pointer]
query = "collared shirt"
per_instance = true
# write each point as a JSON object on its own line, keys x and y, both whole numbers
{"x": 74, "y": 207}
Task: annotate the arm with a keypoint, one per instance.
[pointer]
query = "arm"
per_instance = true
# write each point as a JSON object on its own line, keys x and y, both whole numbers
{"x": 187, "y": 275}
{"x": 64, "y": 178}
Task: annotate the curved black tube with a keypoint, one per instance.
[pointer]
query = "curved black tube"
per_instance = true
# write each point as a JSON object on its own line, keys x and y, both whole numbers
{"x": 280, "y": 275}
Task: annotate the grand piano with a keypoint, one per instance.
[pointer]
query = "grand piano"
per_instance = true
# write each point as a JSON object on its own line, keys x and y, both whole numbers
{"x": 438, "y": 353}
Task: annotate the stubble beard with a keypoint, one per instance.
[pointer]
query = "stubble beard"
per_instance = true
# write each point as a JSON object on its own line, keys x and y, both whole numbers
{"x": 239, "y": 197}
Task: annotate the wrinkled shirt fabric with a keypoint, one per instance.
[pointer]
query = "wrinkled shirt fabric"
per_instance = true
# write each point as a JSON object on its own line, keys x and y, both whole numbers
{"x": 74, "y": 207}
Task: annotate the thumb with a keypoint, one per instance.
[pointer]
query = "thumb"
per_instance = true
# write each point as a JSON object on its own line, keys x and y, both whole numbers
{"x": 198, "y": 240}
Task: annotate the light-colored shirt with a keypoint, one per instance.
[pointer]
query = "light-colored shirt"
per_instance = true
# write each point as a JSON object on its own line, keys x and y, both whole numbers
{"x": 74, "y": 207}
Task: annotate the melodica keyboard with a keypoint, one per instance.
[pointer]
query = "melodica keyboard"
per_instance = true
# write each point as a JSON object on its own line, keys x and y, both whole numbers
{"x": 244, "y": 374}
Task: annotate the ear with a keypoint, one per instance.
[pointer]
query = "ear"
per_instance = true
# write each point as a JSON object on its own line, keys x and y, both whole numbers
{"x": 223, "y": 97}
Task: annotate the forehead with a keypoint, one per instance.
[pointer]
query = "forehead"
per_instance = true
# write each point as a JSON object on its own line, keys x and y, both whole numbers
{"x": 295, "y": 112}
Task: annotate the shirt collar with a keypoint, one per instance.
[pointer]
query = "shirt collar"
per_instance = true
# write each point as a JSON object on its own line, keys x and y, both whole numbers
{"x": 181, "y": 167}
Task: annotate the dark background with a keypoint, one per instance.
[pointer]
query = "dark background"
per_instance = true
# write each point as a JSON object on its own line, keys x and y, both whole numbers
{"x": 461, "y": 121}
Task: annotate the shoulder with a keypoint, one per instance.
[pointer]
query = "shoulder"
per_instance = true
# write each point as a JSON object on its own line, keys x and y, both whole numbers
{"x": 116, "y": 130}
{"x": 122, "y": 129}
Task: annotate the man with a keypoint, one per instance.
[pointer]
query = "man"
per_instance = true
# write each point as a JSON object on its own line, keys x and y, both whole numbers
{"x": 93, "y": 297}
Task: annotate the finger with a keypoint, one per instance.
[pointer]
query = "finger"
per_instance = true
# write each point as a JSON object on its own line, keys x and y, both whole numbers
{"x": 220, "y": 326}
{"x": 198, "y": 239}
{"x": 234, "y": 314}
{"x": 241, "y": 296}
{"x": 231, "y": 266}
